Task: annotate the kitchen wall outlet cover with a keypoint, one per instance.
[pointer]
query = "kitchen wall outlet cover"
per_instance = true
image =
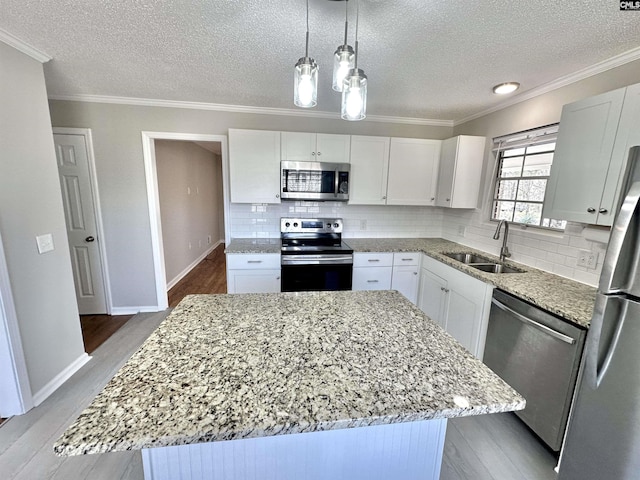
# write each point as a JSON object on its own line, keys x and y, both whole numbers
{"x": 461, "y": 230}
{"x": 587, "y": 259}
{"x": 45, "y": 243}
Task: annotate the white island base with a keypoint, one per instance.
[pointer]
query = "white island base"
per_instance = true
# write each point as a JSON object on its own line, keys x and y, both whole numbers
{"x": 399, "y": 451}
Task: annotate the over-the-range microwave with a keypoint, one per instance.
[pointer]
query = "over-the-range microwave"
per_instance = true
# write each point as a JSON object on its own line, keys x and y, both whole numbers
{"x": 320, "y": 181}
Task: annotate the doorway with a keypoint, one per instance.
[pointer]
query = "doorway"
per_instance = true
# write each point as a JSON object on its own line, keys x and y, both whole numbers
{"x": 150, "y": 164}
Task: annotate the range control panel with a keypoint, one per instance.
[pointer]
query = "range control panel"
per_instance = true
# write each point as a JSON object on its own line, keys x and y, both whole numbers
{"x": 311, "y": 225}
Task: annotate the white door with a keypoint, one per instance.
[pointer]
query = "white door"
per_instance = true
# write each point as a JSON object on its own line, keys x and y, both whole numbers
{"x": 79, "y": 209}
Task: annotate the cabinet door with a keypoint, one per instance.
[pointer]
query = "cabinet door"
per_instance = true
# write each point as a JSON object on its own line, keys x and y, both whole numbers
{"x": 431, "y": 297}
{"x": 253, "y": 281}
{"x": 369, "y": 168}
{"x": 460, "y": 171}
{"x": 333, "y": 148}
{"x": 628, "y": 136}
{"x": 413, "y": 171}
{"x": 254, "y": 166}
{"x": 405, "y": 280}
{"x": 582, "y": 157}
{"x": 371, "y": 278}
{"x": 298, "y": 146}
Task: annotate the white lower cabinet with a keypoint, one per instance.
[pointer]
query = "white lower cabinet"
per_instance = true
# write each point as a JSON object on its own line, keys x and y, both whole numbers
{"x": 372, "y": 271}
{"x": 458, "y": 302}
{"x": 406, "y": 274}
{"x": 253, "y": 273}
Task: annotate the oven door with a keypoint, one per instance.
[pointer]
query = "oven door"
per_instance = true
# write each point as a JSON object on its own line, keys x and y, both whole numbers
{"x": 314, "y": 181}
{"x": 305, "y": 273}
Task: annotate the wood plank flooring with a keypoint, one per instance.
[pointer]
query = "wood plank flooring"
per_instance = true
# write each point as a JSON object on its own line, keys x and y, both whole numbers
{"x": 97, "y": 328}
{"x": 209, "y": 276}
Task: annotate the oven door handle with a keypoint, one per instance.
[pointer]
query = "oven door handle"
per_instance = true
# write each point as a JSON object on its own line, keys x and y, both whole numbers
{"x": 316, "y": 259}
{"x": 336, "y": 183}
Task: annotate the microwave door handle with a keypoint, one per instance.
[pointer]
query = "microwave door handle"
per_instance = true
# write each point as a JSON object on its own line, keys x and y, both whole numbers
{"x": 336, "y": 181}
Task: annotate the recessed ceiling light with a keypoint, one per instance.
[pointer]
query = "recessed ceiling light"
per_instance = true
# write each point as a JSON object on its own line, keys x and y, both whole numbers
{"x": 504, "y": 88}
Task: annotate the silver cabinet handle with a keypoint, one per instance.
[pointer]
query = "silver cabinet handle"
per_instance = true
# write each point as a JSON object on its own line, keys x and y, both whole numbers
{"x": 313, "y": 153}
{"x": 433, "y": 198}
{"x": 591, "y": 210}
{"x": 254, "y": 261}
{"x": 384, "y": 198}
{"x": 277, "y": 195}
{"x": 415, "y": 273}
{"x": 319, "y": 153}
{"x": 372, "y": 281}
{"x": 277, "y": 278}
{"x": 560, "y": 336}
{"x": 374, "y": 260}
{"x": 445, "y": 290}
{"x": 603, "y": 210}
{"x": 407, "y": 259}
{"x": 448, "y": 199}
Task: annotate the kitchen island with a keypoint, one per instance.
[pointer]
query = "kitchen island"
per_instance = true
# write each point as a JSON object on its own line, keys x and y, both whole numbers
{"x": 273, "y": 385}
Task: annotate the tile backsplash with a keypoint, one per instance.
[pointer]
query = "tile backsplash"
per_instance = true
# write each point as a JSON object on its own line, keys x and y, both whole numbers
{"x": 555, "y": 252}
{"x": 263, "y": 221}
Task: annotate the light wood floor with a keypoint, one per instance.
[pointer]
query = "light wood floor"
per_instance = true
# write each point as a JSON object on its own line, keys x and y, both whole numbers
{"x": 209, "y": 276}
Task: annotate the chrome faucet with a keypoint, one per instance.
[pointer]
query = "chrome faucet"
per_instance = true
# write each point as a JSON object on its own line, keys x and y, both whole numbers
{"x": 504, "y": 251}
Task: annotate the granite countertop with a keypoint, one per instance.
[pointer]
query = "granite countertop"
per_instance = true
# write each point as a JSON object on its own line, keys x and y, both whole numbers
{"x": 224, "y": 367}
{"x": 567, "y": 298}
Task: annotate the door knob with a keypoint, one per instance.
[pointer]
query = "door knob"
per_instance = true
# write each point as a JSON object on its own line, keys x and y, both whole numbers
{"x": 89, "y": 239}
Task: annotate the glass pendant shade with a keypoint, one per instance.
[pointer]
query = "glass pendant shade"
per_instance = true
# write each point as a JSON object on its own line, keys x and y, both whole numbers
{"x": 354, "y": 96}
{"x": 343, "y": 62}
{"x": 305, "y": 89}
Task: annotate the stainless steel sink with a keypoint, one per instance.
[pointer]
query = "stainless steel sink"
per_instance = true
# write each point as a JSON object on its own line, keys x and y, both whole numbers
{"x": 482, "y": 263}
{"x": 468, "y": 258}
{"x": 496, "y": 268}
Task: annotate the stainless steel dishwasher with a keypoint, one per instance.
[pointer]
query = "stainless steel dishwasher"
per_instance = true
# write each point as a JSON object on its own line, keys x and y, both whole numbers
{"x": 538, "y": 354}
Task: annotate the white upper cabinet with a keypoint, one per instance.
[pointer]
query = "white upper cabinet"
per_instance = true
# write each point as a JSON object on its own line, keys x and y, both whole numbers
{"x": 369, "y": 169}
{"x": 254, "y": 166}
{"x": 413, "y": 171}
{"x": 585, "y": 175}
{"x": 460, "y": 172}
{"x": 315, "y": 147}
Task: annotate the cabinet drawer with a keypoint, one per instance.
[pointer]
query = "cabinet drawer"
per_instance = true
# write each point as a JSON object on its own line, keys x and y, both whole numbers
{"x": 253, "y": 261}
{"x": 372, "y": 278}
{"x": 372, "y": 259}
{"x": 412, "y": 258}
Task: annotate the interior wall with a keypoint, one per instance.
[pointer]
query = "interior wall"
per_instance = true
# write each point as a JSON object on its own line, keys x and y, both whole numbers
{"x": 42, "y": 284}
{"x": 219, "y": 188}
{"x": 551, "y": 251}
{"x": 116, "y": 131}
{"x": 190, "y": 202}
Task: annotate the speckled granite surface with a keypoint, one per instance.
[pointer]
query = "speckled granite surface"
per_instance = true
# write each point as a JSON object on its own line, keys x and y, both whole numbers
{"x": 224, "y": 367}
{"x": 567, "y": 298}
{"x": 253, "y": 245}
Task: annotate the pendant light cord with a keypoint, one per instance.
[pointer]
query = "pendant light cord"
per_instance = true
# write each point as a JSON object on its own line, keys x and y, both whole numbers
{"x": 346, "y": 20}
{"x": 357, "y": 18}
{"x": 306, "y": 49}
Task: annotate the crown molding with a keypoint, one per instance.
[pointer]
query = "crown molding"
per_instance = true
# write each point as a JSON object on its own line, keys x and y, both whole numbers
{"x": 24, "y": 47}
{"x": 613, "y": 62}
{"x": 150, "y": 102}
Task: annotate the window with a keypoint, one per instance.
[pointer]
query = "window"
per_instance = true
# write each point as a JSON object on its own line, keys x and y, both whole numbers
{"x": 524, "y": 165}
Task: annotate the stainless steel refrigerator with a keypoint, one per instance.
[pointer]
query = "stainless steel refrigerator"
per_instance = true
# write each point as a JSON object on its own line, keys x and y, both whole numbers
{"x": 603, "y": 436}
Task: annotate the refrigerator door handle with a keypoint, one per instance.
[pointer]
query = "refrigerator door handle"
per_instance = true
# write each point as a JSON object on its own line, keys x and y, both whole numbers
{"x": 619, "y": 234}
{"x": 598, "y": 353}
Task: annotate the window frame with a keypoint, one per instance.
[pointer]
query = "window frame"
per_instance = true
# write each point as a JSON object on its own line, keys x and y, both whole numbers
{"x": 522, "y": 140}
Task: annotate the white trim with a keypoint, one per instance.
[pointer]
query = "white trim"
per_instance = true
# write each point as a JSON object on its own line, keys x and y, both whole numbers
{"x": 153, "y": 198}
{"x": 14, "y": 378}
{"x": 93, "y": 178}
{"x": 135, "y": 310}
{"x": 193, "y": 265}
{"x": 152, "y": 102}
{"x": 57, "y": 381}
{"x": 23, "y": 46}
{"x": 613, "y": 62}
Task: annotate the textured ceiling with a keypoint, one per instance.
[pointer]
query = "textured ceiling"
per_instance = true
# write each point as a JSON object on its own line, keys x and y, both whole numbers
{"x": 424, "y": 59}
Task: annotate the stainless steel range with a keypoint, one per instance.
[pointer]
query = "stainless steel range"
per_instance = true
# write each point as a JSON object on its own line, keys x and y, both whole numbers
{"x": 313, "y": 255}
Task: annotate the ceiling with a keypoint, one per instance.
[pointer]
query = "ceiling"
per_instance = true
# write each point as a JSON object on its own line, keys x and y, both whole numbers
{"x": 425, "y": 59}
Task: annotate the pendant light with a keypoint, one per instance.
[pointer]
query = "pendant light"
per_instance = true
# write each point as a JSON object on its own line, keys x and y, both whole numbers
{"x": 305, "y": 90}
{"x": 354, "y": 93}
{"x": 343, "y": 58}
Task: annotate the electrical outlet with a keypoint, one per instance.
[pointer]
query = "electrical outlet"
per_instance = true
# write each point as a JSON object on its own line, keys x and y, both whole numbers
{"x": 208, "y": 239}
{"x": 363, "y": 224}
{"x": 587, "y": 259}
{"x": 461, "y": 230}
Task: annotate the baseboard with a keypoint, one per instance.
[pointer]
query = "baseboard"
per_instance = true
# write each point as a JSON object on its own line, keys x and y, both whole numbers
{"x": 193, "y": 264}
{"x": 133, "y": 310}
{"x": 42, "y": 394}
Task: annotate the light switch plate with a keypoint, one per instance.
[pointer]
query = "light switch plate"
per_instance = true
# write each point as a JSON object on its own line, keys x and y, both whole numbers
{"x": 461, "y": 230}
{"x": 45, "y": 243}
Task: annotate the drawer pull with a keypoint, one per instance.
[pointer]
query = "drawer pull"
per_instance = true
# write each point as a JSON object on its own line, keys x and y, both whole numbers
{"x": 374, "y": 259}
{"x": 407, "y": 259}
{"x": 372, "y": 281}
{"x": 254, "y": 261}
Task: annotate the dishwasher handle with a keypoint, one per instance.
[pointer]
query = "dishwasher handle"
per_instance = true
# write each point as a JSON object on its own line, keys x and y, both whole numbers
{"x": 560, "y": 336}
